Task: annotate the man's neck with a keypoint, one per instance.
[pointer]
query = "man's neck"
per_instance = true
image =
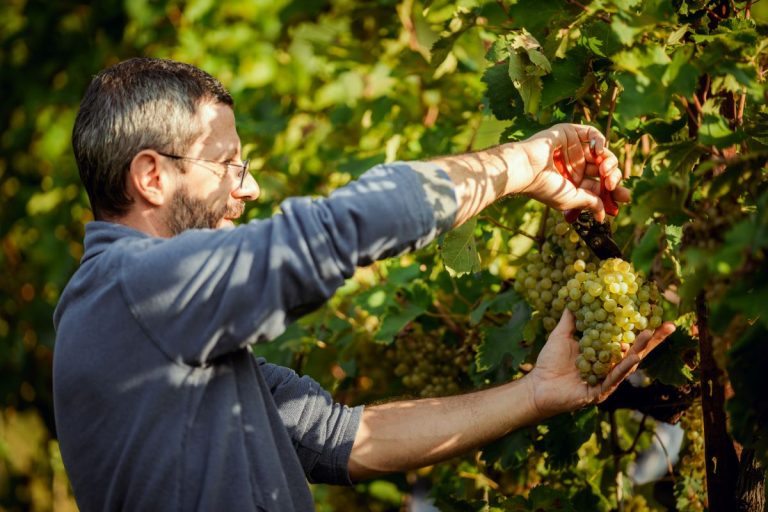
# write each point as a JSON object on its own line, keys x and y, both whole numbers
{"x": 148, "y": 221}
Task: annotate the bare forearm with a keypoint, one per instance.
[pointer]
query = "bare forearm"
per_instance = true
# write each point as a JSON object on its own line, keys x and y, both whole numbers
{"x": 414, "y": 433}
{"x": 482, "y": 177}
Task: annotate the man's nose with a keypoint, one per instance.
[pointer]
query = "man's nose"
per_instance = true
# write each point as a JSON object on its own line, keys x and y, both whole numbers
{"x": 249, "y": 191}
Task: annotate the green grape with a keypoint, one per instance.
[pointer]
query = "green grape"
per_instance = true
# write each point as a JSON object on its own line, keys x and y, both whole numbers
{"x": 693, "y": 468}
{"x": 610, "y": 301}
{"x": 427, "y": 366}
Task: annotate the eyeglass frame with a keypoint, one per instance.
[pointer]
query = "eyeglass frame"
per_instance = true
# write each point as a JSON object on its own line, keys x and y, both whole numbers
{"x": 243, "y": 167}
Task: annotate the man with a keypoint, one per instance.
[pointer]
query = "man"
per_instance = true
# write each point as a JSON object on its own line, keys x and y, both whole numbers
{"x": 160, "y": 404}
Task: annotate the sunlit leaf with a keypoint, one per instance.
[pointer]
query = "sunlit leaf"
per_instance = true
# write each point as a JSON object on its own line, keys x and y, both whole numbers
{"x": 459, "y": 250}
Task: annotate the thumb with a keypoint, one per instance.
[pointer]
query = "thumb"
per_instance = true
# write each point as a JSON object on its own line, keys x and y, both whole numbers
{"x": 565, "y": 327}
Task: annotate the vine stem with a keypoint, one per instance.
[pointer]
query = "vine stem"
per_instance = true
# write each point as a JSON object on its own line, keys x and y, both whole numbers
{"x": 719, "y": 452}
{"x": 611, "y": 109}
{"x": 742, "y": 103}
{"x": 507, "y": 228}
{"x": 666, "y": 453}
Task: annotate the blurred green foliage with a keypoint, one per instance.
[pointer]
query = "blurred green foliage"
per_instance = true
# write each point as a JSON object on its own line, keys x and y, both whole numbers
{"x": 325, "y": 89}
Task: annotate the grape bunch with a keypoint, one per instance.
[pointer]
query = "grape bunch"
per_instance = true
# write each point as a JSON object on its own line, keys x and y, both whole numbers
{"x": 548, "y": 270}
{"x": 611, "y": 302}
{"x": 691, "y": 487}
{"x": 426, "y": 364}
{"x": 612, "y": 305}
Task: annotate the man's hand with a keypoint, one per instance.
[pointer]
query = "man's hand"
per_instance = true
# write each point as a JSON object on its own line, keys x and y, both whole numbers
{"x": 545, "y": 183}
{"x": 555, "y": 383}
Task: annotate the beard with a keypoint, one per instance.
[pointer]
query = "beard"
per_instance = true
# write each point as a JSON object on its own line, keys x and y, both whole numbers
{"x": 186, "y": 212}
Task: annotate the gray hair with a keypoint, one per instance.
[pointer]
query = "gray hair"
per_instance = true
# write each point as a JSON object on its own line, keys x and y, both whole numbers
{"x": 137, "y": 104}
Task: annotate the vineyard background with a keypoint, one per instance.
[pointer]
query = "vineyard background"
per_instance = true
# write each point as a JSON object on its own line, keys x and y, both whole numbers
{"x": 326, "y": 89}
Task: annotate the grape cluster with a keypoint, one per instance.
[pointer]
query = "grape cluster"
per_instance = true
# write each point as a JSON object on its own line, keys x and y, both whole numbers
{"x": 427, "y": 365}
{"x": 548, "y": 270}
{"x": 611, "y": 305}
{"x": 691, "y": 487}
{"x": 611, "y": 302}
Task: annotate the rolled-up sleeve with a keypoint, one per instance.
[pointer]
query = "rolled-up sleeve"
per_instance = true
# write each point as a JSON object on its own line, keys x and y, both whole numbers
{"x": 322, "y": 431}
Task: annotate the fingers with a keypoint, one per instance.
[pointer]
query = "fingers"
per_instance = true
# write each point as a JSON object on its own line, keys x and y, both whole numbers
{"x": 621, "y": 194}
{"x": 574, "y": 156}
{"x": 587, "y": 155}
{"x": 645, "y": 342}
{"x": 609, "y": 170}
{"x": 565, "y": 326}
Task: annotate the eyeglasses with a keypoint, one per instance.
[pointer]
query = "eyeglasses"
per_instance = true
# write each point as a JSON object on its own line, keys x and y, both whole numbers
{"x": 242, "y": 169}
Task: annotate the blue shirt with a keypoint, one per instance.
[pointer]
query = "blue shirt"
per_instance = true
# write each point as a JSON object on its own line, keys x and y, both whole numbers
{"x": 159, "y": 403}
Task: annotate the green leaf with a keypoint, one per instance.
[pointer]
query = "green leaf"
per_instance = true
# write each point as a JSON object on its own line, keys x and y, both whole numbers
{"x": 566, "y": 433}
{"x": 666, "y": 192}
{"x": 507, "y": 340}
{"x": 566, "y": 79}
{"x": 646, "y": 250}
{"x": 442, "y": 47}
{"x": 668, "y": 363}
{"x": 547, "y": 498}
{"x": 416, "y": 299}
{"x": 460, "y": 251}
{"x": 527, "y": 64}
{"x": 714, "y": 130}
{"x": 528, "y": 85}
{"x": 681, "y": 77}
{"x": 501, "y": 303}
{"x": 395, "y": 319}
{"x": 510, "y": 451}
{"x": 500, "y": 92}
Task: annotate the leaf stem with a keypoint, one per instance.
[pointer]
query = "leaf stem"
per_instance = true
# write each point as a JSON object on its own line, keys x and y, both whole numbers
{"x": 611, "y": 109}
{"x": 666, "y": 453}
{"x": 507, "y": 228}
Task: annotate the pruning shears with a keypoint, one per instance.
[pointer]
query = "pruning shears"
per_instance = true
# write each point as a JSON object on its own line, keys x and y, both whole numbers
{"x": 597, "y": 235}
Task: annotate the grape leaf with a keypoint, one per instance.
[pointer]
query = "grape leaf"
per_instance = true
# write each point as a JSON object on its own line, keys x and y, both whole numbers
{"x": 500, "y": 303}
{"x": 567, "y": 432}
{"x": 416, "y": 300}
{"x": 528, "y": 85}
{"x": 567, "y": 76}
{"x": 510, "y": 451}
{"x": 646, "y": 250}
{"x": 460, "y": 251}
{"x": 507, "y": 340}
{"x": 667, "y": 363}
{"x": 547, "y": 498}
{"x": 715, "y": 131}
{"x": 500, "y": 92}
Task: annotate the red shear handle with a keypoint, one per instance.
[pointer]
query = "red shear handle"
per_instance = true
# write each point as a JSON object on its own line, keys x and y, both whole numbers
{"x": 611, "y": 208}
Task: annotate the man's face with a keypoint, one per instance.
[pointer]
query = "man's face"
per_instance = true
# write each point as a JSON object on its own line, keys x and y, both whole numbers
{"x": 208, "y": 194}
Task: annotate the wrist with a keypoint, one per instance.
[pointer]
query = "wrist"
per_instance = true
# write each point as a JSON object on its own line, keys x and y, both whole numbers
{"x": 518, "y": 169}
{"x": 547, "y": 398}
{"x": 519, "y": 404}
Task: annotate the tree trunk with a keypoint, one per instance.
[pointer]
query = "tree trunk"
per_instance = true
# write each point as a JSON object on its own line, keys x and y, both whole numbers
{"x": 750, "y": 486}
{"x": 722, "y": 464}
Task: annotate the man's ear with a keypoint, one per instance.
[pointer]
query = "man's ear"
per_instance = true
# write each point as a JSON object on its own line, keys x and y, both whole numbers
{"x": 148, "y": 180}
